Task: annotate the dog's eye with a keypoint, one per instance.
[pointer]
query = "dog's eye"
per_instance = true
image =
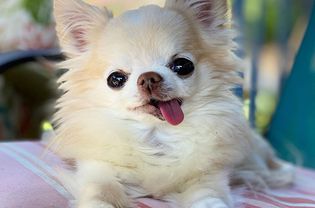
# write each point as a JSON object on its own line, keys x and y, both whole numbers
{"x": 182, "y": 66}
{"x": 117, "y": 80}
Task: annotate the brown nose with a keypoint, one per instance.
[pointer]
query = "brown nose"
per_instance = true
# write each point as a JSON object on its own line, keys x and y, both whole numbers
{"x": 149, "y": 82}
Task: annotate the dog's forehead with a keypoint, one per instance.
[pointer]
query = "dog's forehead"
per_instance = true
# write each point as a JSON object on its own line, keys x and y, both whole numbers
{"x": 148, "y": 34}
{"x": 147, "y": 15}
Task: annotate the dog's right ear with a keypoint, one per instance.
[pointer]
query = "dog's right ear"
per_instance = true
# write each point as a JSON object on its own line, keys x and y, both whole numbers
{"x": 76, "y": 23}
{"x": 210, "y": 14}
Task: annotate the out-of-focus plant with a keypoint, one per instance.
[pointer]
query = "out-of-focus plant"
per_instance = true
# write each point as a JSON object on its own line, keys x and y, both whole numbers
{"x": 26, "y": 24}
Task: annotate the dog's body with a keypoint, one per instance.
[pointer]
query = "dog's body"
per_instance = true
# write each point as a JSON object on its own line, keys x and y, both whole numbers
{"x": 148, "y": 108}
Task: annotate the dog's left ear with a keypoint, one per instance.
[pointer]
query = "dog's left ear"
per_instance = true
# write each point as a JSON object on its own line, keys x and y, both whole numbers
{"x": 77, "y": 23}
{"x": 209, "y": 13}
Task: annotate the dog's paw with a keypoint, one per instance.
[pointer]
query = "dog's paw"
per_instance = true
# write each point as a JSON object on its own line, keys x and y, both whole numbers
{"x": 210, "y": 203}
{"x": 95, "y": 204}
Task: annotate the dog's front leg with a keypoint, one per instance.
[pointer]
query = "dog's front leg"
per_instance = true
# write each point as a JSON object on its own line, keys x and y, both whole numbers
{"x": 99, "y": 187}
{"x": 210, "y": 202}
{"x": 211, "y": 191}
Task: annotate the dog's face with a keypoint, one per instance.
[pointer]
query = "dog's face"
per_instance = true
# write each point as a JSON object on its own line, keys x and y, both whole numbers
{"x": 152, "y": 64}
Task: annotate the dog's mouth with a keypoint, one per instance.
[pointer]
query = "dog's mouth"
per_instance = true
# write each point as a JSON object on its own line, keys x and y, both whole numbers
{"x": 169, "y": 110}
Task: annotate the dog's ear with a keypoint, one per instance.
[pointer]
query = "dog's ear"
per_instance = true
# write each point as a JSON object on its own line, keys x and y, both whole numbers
{"x": 209, "y": 13}
{"x": 76, "y": 23}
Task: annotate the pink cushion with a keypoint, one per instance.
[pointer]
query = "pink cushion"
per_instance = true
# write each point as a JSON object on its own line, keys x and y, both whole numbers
{"x": 28, "y": 181}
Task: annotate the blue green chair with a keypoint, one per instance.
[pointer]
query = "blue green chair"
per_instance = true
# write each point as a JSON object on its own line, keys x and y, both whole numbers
{"x": 292, "y": 130}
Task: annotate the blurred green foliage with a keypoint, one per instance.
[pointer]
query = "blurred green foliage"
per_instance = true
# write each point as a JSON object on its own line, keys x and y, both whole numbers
{"x": 40, "y": 10}
{"x": 276, "y": 15}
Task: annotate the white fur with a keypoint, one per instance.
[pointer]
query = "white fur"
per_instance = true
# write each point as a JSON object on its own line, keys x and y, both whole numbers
{"x": 122, "y": 154}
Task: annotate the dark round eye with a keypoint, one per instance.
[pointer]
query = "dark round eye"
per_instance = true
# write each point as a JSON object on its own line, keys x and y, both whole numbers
{"x": 116, "y": 80}
{"x": 182, "y": 66}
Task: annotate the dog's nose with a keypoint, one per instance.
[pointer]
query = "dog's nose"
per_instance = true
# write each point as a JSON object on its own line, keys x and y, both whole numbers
{"x": 149, "y": 82}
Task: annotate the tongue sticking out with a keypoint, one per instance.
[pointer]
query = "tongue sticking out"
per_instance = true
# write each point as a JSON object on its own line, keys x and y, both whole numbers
{"x": 172, "y": 112}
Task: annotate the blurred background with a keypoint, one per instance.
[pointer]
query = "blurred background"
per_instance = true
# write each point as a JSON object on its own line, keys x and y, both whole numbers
{"x": 277, "y": 44}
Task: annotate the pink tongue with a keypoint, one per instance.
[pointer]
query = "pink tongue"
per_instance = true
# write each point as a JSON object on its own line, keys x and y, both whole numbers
{"x": 172, "y": 112}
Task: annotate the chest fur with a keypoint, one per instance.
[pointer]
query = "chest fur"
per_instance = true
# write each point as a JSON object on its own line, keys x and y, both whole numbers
{"x": 172, "y": 158}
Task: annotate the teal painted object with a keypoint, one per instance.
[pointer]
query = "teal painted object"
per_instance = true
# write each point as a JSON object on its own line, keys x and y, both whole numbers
{"x": 293, "y": 125}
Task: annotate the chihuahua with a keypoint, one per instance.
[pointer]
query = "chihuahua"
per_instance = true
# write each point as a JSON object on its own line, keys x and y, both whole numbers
{"x": 148, "y": 108}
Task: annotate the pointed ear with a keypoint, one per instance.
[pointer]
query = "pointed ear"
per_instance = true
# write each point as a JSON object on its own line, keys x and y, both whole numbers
{"x": 209, "y": 13}
{"x": 76, "y": 22}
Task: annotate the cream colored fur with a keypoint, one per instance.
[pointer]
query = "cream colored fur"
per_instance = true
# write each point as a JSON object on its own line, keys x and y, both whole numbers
{"x": 121, "y": 154}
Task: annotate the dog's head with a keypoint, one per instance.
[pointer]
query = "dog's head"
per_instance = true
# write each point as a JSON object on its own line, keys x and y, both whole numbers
{"x": 151, "y": 64}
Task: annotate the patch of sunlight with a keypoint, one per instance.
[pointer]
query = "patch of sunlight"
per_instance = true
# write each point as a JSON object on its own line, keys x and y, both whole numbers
{"x": 265, "y": 104}
{"x": 46, "y": 126}
{"x": 246, "y": 108}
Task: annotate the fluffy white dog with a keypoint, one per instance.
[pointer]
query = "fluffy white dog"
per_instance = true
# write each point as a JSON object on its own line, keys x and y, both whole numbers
{"x": 148, "y": 110}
